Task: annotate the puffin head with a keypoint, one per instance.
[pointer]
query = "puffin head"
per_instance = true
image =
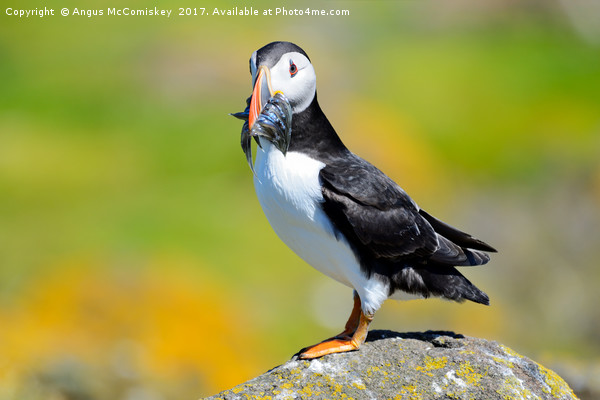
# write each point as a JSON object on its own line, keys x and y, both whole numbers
{"x": 281, "y": 67}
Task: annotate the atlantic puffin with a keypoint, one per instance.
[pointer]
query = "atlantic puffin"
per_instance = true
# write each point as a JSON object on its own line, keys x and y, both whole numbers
{"x": 341, "y": 214}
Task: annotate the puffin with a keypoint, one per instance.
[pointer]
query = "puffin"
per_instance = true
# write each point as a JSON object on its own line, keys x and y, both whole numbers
{"x": 341, "y": 214}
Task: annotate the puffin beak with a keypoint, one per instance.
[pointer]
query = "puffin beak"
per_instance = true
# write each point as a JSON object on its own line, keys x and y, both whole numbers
{"x": 261, "y": 94}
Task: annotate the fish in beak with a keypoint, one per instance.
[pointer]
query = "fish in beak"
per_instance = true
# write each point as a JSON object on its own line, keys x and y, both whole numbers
{"x": 268, "y": 114}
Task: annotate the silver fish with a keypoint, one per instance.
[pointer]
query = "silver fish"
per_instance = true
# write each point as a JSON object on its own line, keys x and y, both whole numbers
{"x": 273, "y": 123}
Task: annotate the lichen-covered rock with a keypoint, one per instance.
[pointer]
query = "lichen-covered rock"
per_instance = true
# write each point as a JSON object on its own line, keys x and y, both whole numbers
{"x": 430, "y": 365}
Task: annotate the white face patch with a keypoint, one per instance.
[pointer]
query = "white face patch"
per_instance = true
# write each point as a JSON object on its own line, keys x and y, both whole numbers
{"x": 300, "y": 86}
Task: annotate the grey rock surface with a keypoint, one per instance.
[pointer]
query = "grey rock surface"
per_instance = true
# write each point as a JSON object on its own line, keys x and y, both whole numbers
{"x": 390, "y": 365}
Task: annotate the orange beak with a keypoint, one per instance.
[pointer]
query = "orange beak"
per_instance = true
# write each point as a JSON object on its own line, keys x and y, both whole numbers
{"x": 261, "y": 94}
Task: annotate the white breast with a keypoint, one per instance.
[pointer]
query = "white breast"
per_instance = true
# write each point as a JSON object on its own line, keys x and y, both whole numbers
{"x": 289, "y": 192}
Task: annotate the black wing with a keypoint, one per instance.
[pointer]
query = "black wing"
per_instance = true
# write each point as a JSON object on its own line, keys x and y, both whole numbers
{"x": 379, "y": 218}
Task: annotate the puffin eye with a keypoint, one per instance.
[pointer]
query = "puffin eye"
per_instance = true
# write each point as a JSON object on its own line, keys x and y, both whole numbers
{"x": 293, "y": 68}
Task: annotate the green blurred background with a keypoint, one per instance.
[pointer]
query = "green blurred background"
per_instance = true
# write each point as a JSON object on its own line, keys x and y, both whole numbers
{"x": 135, "y": 262}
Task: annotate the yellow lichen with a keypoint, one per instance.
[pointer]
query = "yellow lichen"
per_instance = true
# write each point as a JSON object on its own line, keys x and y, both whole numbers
{"x": 510, "y": 351}
{"x": 237, "y": 389}
{"x": 409, "y": 392}
{"x": 409, "y": 388}
{"x": 558, "y": 387}
{"x": 372, "y": 369}
{"x": 261, "y": 397}
{"x": 432, "y": 363}
{"x": 337, "y": 387}
{"x": 503, "y": 361}
{"x": 468, "y": 374}
{"x": 512, "y": 389}
{"x": 308, "y": 392}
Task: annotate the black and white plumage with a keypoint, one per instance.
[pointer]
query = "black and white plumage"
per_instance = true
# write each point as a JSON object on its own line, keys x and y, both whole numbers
{"x": 344, "y": 216}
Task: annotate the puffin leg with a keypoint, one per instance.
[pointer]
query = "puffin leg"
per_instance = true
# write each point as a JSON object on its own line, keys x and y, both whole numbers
{"x": 353, "y": 320}
{"x": 341, "y": 345}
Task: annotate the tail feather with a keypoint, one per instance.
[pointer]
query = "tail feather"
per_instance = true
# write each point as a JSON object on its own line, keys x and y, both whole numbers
{"x": 457, "y": 236}
{"x": 451, "y": 254}
{"x": 450, "y": 284}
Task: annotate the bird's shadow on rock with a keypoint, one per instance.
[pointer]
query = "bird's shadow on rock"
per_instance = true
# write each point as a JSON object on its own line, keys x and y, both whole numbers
{"x": 437, "y": 338}
{"x": 446, "y": 339}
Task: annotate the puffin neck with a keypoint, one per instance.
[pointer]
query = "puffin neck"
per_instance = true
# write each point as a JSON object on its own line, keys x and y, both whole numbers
{"x": 313, "y": 134}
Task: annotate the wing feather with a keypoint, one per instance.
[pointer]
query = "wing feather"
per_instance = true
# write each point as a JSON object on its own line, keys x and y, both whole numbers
{"x": 377, "y": 216}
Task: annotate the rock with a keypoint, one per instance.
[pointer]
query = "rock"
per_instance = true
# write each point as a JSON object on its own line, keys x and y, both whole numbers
{"x": 390, "y": 365}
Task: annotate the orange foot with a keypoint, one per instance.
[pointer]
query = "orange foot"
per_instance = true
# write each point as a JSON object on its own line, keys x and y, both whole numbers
{"x": 340, "y": 344}
{"x": 328, "y": 347}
